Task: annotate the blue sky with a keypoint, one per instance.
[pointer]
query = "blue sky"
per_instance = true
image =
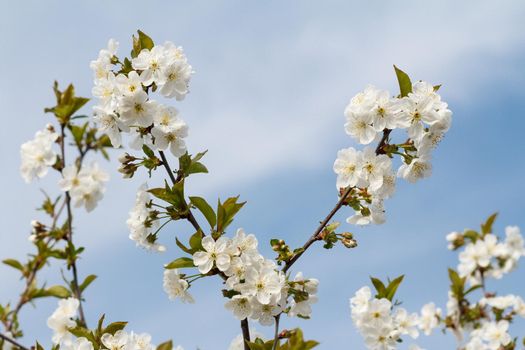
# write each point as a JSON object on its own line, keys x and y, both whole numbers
{"x": 272, "y": 80}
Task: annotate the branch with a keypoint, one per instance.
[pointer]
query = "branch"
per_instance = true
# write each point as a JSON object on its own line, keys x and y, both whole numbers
{"x": 315, "y": 236}
{"x": 245, "y": 333}
{"x": 69, "y": 237}
{"x": 174, "y": 180}
{"x": 12, "y": 341}
{"x": 276, "y": 335}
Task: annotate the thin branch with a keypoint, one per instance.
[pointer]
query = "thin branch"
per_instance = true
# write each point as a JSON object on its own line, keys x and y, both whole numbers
{"x": 69, "y": 237}
{"x": 316, "y": 235}
{"x": 245, "y": 333}
{"x": 276, "y": 334}
{"x": 12, "y": 341}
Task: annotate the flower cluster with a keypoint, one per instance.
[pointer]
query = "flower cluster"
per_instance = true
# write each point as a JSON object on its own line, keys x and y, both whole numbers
{"x": 85, "y": 186}
{"x": 382, "y": 327}
{"x": 37, "y": 155}
{"x": 371, "y": 116}
{"x": 143, "y": 223}
{"x": 484, "y": 255}
{"x": 255, "y": 287}
{"x": 123, "y": 88}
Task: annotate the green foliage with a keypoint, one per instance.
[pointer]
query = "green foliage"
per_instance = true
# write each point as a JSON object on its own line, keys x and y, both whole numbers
{"x": 174, "y": 196}
{"x": 294, "y": 341}
{"x": 87, "y": 281}
{"x": 386, "y": 291}
{"x": 67, "y": 103}
{"x": 206, "y": 210}
{"x": 191, "y": 165}
{"x": 405, "y": 85}
{"x": 284, "y": 253}
{"x": 14, "y": 264}
{"x": 166, "y": 345}
{"x": 180, "y": 263}
{"x": 143, "y": 41}
{"x": 226, "y": 212}
{"x": 486, "y": 227}
{"x": 54, "y": 291}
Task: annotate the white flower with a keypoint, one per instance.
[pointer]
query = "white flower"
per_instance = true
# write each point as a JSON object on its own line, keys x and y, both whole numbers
{"x": 418, "y": 168}
{"x": 514, "y": 242}
{"x": 62, "y": 319}
{"x": 150, "y": 63}
{"x": 264, "y": 284}
{"x": 265, "y": 313}
{"x": 240, "y": 305}
{"x": 406, "y": 323}
{"x": 244, "y": 244}
{"x": 174, "y": 79}
{"x": 37, "y": 155}
{"x": 170, "y": 131}
{"x": 139, "y": 223}
{"x": 105, "y": 90}
{"x": 415, "y": 111}
{"x": 216, "y": 252}
{"x": 358, "y": 125}
{"x": 130, "y": 84}
{"x": 429, "y": 318}
{"x": 136, "y": 109}
{"x": 176, "y": 287}
{"x": 117, "y": 341}
{"x": 496, "y": 334}
{"x": 108, "y": 123}
{"x": 140, "y": 341}
{"x": 381, "y": 338}
{"x": 85, "y": 187}
{"x": 373, "y": 168}
{"x": 82, "y": 344}
{"x": 347, "y": 166}
{"x": 102, "y": 65}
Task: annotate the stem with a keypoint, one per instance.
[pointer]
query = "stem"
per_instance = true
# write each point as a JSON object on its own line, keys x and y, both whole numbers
{"x": 69, "y": 237}
{"x": 245, "y": 333}
{"x": 12, "y": 341}
{"x": 174, "y": 180}
{"x": 276, "y": 335}
{"x": 315, "y": 236}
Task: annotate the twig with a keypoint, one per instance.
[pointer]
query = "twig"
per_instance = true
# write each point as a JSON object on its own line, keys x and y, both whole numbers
{"x": 69, "y": 237}
{"x": 245, "y": 333}
{"x": 276, "y": 334}
{"x": 12, "y": 341}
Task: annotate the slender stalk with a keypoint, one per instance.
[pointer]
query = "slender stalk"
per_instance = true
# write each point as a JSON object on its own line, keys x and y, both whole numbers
{"x": 276, "y": 334}
{"x": 69, "y": 237}
{"x": 245, "y": 333}
{"x": 316, "y": 235}
{"x": 12, "y": 341}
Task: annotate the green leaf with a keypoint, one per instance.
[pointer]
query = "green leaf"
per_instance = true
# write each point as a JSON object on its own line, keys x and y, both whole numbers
{"x": 14, "y": 264}
{"x": 405, "y": 85}
{"x": 166, "y": 345}
{"x": 148, "y": 151}
{"x": 87, "y": 282}
{"x": 180, "y": 263}
{"x": 457, "y": 284}
{"x": 183, "y": 247}
{"x": 57, "y": 291}
{"x": 486, "y": 228}
{"x": 80, "y": 332}
{"x": 196, "y": 168}
{"x": 196, "y": 241}
{"x": 380, "y": 287}
{"x": 145, "y": 41}
{"x": 114, "y": 327}
{"x": 38, "y": 346}
{"x": 392, "y": 287}
{"x": 203, "y": 206}
{"x": 226, "y": 212}
{"x": 174, "y": 195}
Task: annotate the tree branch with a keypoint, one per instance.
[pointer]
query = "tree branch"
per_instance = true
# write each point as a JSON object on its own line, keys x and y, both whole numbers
{"x": 69, "y": 237}
{"x": 245, "y": 333}
{"x": 12, "y": 341}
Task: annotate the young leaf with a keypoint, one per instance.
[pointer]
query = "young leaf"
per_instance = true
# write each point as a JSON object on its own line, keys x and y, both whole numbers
{"x": 196, "y": 241}
{"x": 405, "y": 85}
{"x": 486, "y": 228}
{"x": 392, "y": 287}
{"x": 114, "y": 327}
{"x": 180, "y": 263}
{"x": 145, "y": 41}
{"x": 87, "y": 282}
{"x": 183, "y": 247}
{"x": 14, "y": 264}
{"x": 205, "y": 209}
{"x": 379, "y": 286}
{"x": 165, "y": 346}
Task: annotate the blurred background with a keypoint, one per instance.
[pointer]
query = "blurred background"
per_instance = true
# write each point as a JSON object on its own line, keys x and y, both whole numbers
{"x": 267, "y": 99}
